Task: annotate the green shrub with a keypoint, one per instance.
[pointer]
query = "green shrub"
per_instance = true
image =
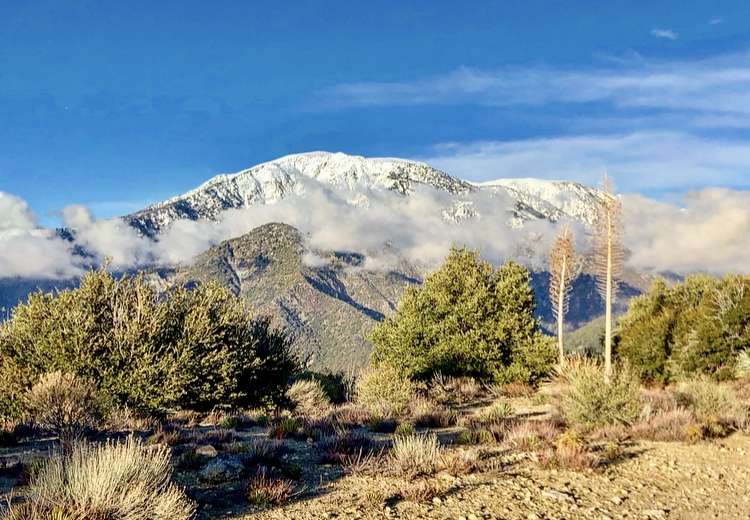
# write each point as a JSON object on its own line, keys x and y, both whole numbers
{"x": 404, "y": 428}
{"x": 190, "y": 349}
{"x": 472, "y": 437}
{"x": 308, "y": 398}
{"x": 587, "y": 401}
{"x": 497, "y": 412}
{"x": 383, "y": 391}
{"x": 286, "y": 427}
{"x": 64, "y": 404}
{"x": 467, "y": 319}
{"x": 117, "y": 481}
{"x": 697, "y": 327}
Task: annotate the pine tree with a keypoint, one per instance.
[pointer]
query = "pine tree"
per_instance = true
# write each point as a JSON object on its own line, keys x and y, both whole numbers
{"x": 608, "y": 260}
{"x": 563, "y": 269}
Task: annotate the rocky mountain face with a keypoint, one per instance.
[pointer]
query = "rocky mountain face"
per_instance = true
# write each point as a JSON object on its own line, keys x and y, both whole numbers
{"x": 325, "y": 299}
{"x": 293, "y": 175}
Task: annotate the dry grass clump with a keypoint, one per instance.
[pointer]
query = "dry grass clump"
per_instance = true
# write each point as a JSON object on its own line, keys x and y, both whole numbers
{"x": 338, "y": 449}
{"x": 569, "y": 452}
{"x": 123, "y": 419}
{"x": 416, "y": 455}
{"x": 445, "y": 389}
{"x": 64, "y": 404}
{"x": 350, "y": 415}
{"x": 265, "y": 490}
{"x": 309, "y": 398}
{"x": 383, "y": 391}
{"x": 113, "y": 481}
{"x": 677, "y": 424}
{"x": 459, "y": 462}
{"x": 588, "y": 402}
{"x": 742, "y": 365}
{"x": 261, "y": 451}
{"x": 426, "y": 413}
{"x": 530, "y": 435}
{"x": 423, "y": 490}
{"x": 515, "y": 390}
{"x": 709, "y": 400}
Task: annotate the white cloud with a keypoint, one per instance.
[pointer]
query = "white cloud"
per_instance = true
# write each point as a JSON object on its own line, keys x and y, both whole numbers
{"x": 27, "y": 250}
{"x": 716, "y": 21}
{"x": 664, "y": 33}
{"x": 15, "y": 213}
{"x": 639, "y": 161}
{"x": 718, "y": 85}
{"x": 708, "y": 231}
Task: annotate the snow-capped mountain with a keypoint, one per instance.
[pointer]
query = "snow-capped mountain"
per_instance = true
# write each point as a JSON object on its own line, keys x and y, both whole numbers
{"x": 550, "y": 199}
{"x": 292, "y": 175}
{"x": 272, "y": 181}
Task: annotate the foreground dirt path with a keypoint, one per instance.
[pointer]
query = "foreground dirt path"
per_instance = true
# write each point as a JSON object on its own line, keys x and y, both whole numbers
{"x": 653, "y": 481}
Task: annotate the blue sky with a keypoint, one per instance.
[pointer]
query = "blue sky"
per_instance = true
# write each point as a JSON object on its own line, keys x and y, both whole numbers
{"x": 117, "y": 104}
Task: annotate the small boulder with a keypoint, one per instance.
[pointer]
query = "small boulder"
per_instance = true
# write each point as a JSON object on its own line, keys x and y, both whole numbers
{"x": 206, "y": 451}
{"x": 222, "y": 470}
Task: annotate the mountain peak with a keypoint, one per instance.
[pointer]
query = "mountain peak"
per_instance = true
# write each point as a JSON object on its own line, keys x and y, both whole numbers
{"x": 294, "y": 175}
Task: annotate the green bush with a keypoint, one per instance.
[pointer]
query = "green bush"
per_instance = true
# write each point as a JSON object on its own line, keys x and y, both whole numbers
{"x": 697, "y": 327}
{"x": 384, "y": 392}
{"x": 192, "y": 349}
{"x": 587, "y": 401}
{"x": 467, "y": 319}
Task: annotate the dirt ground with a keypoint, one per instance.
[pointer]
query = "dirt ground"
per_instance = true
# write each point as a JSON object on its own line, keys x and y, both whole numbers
{"x": 652, "y": 481}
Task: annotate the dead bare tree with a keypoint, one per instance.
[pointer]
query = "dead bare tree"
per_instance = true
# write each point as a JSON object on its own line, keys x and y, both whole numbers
{"x": 608, "y": 260}
{"x": 563, "y": 269}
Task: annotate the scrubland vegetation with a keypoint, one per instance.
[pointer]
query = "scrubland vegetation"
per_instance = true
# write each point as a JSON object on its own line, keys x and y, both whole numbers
{"x": 155, "y": 405}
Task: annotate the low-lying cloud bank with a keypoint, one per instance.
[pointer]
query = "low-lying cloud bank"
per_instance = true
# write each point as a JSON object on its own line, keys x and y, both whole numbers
{"x": 708, "y": 231}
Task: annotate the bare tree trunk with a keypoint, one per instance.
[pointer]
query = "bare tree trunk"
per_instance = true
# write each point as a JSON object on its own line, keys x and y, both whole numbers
{"x": 561, "y": 305}
{"x": 608, "y": 304}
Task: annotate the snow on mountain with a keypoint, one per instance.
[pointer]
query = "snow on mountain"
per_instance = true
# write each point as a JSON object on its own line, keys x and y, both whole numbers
{"x": 272, "y": 181}
{"x": 550, "y": 199}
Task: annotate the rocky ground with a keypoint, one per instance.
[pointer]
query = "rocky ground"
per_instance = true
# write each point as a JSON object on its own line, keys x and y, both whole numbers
{"x": 646, "y": 480}
{"x": 652, "y": 481}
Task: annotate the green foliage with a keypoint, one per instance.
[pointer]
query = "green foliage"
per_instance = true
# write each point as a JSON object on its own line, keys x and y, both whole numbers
{"x": 191, "y": 349}
{"x": 697, "y": 327}
{"x": 587, "y": 401}
{"x": 383, "y": 391}
{"x": 467, "y": 319}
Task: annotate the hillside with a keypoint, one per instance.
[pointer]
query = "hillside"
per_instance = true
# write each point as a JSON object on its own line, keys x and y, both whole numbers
{"x": 328, "y": 307}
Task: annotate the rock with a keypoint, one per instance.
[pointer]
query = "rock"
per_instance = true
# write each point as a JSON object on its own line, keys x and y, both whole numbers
{"x": 206, "y": 451}
{"x": 558, "y": 495}
{"x": 10, "y": 461}
{"x": 222, "y": 470}
{"x": 437, "y": 501}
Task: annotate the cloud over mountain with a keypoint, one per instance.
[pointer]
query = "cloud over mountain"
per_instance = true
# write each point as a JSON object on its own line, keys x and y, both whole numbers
{"x": 706, "y": 231}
